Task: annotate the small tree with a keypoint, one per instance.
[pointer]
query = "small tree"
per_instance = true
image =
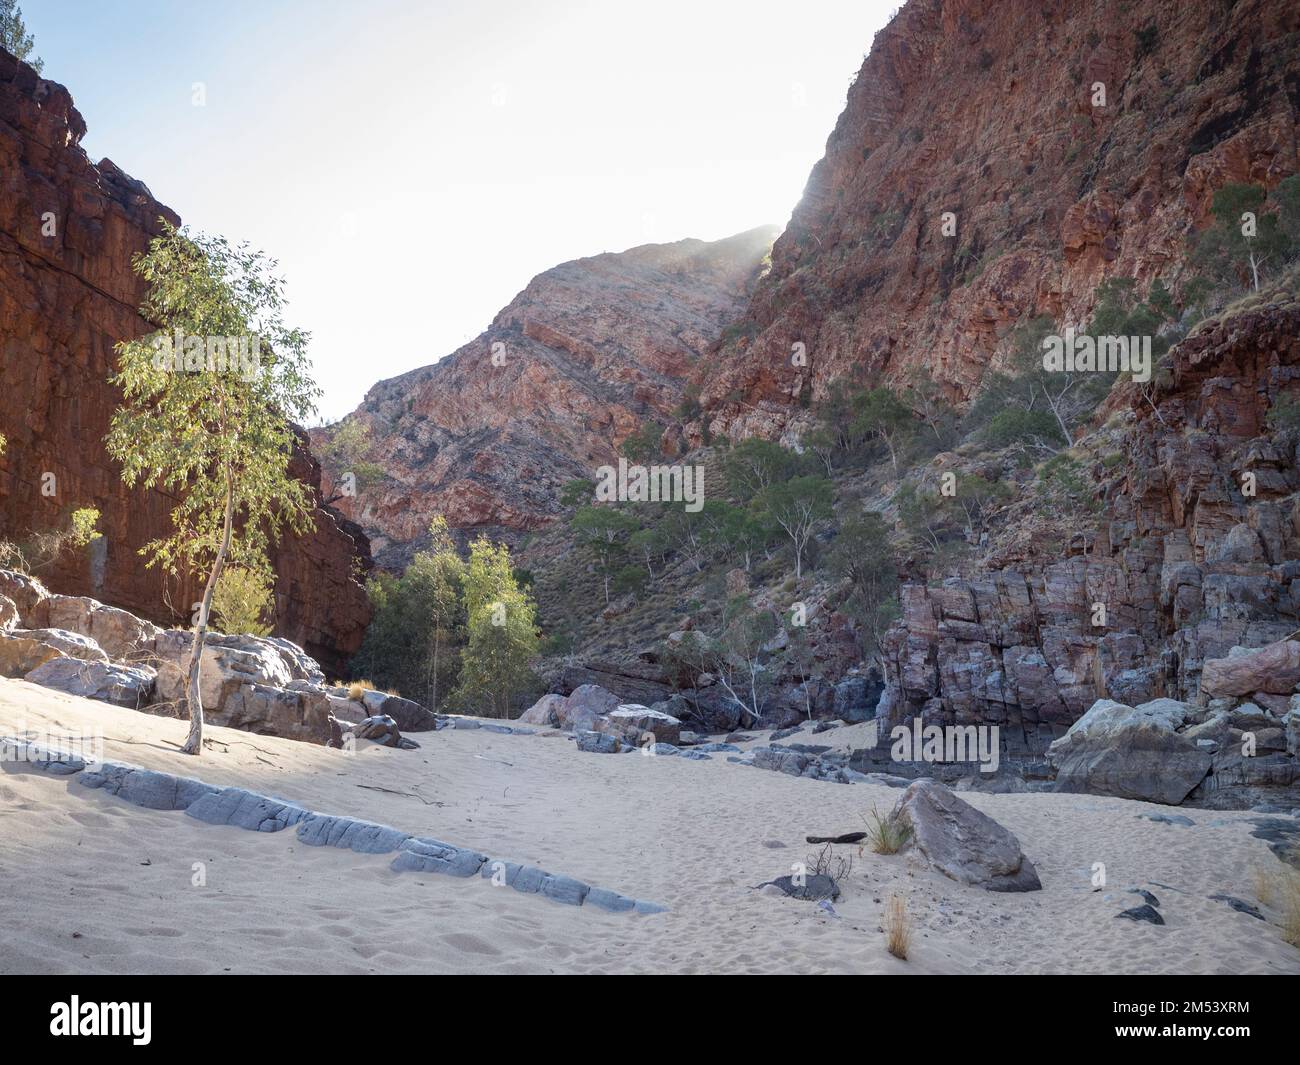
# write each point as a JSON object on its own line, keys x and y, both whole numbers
{"x": 219, "y": 440}
{"x": 880, "y": 414}
{"x": 797, "y": 505}
{"x": 344, "y": 454}
{"x": 14, "y": 36}
{"x": 644, "y": 445}
{"x": 603, "y": 532}
{"x": 242, "y": 599}
{"x": 863, "y": 556}
{"x": 502, "y": 629}
{"x": 1243, "y": 239}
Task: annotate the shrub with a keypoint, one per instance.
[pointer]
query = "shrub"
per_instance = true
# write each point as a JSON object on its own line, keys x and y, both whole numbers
{"x": 241, "y": 600}
{"x": 887, "y": 835}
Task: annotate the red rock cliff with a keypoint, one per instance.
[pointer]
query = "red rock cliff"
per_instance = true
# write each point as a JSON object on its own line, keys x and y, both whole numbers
{"x": 586, "y": 354}
{"x": 68, "y": 230}
{"x": 985, "y": 108}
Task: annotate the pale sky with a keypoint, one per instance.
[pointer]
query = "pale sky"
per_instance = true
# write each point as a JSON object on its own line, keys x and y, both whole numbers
{"x": 413, "y": 163}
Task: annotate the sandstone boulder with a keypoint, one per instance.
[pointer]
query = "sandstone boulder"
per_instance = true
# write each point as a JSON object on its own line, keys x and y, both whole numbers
{"x": 23, "y": 650}
{"x": 123, "y": 636}
{"x": 29, "y": 596}
{"x": 1131, "y": 753}
{"x": 546, "y": 712}
{"x": 1274, "y": 668}
{"x": 585, "y": 706}
{"x": 961, "y": 842}
{"x": 632, "y": 721}
{"x": 228, "y": 663}
{"x": 9, "y": 619}
{"x": 122, "y": 685}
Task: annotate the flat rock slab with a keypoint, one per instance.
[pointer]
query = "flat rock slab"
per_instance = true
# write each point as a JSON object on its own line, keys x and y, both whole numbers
{"x": 1170, "y": 819}
{"x": 248, "y": 810}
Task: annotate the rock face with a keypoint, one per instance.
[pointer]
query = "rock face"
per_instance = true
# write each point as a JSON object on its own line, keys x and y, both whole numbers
{"x": 68, "y": 229}
{"x": 1187, "y": 565}
{"x": 985, "y": 109}
{"x": 962, "y": 843}
{"x": 585, "y": 355}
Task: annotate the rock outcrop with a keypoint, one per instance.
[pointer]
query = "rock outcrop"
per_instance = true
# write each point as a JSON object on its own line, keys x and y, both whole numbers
{"x": 68, "y": 230}
{"x": 264, "y": 685}
{"x": 988, "y": 110}
{"x": 583, "y": 357}
{"x": 1192, "y": 554}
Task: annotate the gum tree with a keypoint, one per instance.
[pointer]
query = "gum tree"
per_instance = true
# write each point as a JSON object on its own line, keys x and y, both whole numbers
{"x": 215, "y": 435}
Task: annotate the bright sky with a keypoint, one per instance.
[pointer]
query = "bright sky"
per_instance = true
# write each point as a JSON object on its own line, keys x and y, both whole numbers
{"x": 413, "y": 163}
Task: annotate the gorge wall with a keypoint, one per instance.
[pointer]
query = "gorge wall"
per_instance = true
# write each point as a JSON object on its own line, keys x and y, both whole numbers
{"x": 68, "y": 230}
{"x": 585, "y": 355}
{"x": 985, "y": 108}
{"x": 1196, "y": 549}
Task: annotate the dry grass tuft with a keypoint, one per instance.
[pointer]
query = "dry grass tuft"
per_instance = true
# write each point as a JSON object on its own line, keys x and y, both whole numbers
{"x": 898, "y": 927}
{"x": 887, "y": 835}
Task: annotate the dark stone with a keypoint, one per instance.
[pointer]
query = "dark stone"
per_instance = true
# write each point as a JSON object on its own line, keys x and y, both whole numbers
{"x": 815, "y": 886}
{"x": 1142, "y": 913}
{"x": 1240, "y": 905}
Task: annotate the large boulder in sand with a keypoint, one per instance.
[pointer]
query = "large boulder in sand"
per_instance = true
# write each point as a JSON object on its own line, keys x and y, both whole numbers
{"x": 122, "y": 685}
{"x": 23, "y": 650}
{"x": 1274, "y": 669}
{"x": 1130, "y": 752}
{"x": 273, "y": 711}
{"x": 962, "y": 843}
{"x": 123, "y": 636}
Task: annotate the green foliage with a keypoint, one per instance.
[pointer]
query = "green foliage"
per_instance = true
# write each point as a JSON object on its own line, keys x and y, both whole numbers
{"x": 863, "y": 556}
{"x": 416, "y": 635}
{"x": 1062, "y": 489}
{"x": 242, "y": 600}
{"x": 754, "y": 464}
{"x": 217, "y": 436}
{"x": 577, "y": 492}
{"x": 14, "y": 36}
{"x": 602, "y": 532}
{"x": 1015, "y": 425}
{"x": 219, "y": 441}
{"x": 848, "y": 420}
{"x": 644, "y": 445}
{"x": 344, "y": 453}
{"x": 1249, "y": 234}
{"x": 796, "y": 505}
{"x": 42, "y": 549}
{"x": 501, "y": 627}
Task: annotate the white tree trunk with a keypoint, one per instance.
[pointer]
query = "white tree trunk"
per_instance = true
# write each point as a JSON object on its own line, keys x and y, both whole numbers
{"x": 193, "y": 692}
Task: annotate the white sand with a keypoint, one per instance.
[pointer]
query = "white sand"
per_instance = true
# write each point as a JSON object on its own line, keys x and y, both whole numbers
{"x": 90, "y": 883}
